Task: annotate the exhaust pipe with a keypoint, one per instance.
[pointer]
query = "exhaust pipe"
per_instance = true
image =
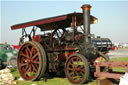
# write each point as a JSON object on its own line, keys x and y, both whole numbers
{"x": 86, "y": 22}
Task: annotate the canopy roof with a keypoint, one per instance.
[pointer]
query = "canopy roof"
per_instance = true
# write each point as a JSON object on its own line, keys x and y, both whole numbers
{"x": 51, "y": 23}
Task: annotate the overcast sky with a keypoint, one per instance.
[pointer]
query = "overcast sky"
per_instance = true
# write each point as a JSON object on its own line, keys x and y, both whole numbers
{"x": 112, "y": 17}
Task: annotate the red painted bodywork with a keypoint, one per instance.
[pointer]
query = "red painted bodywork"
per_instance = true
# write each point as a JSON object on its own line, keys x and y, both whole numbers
{"x": 38, "y": 22}
{"x": 36, "y": 38}
{"x": 15, "y": 47}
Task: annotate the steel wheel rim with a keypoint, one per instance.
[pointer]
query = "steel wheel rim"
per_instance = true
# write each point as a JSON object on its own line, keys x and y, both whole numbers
{"x": 29, "y": 60}
{"x": 75, "y": 69}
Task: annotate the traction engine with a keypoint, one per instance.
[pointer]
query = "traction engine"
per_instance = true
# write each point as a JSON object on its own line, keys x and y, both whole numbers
{"x": 65, "y": 44}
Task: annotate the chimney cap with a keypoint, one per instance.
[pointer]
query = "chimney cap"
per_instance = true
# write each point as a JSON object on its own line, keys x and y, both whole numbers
{"x": 86, "y": 7}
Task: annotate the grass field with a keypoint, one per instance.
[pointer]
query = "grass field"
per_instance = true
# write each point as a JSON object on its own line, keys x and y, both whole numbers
{"x": 60, "y": 81}
{"x": 119, "y": 69}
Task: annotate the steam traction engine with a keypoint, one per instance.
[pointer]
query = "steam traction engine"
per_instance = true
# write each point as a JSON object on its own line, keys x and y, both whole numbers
{"x": 65, "y": 44}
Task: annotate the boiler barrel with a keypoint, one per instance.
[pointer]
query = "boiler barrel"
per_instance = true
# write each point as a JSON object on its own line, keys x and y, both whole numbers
{"x": 102, "y": 44}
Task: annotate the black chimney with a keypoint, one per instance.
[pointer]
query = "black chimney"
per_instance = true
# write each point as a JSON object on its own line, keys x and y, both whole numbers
{"x": 86, "y": 22}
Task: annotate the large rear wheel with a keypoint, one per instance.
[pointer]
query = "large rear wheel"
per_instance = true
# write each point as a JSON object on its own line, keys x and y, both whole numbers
{"x": 77, "y": 69}
{"x": 31, "y": 61}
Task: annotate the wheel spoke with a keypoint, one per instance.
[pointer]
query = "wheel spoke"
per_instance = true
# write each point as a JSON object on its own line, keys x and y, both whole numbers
{"x": 79, "y": 61}
{"x": 32, "y": 74}
{"x": 37, "y": 58}
{"x": 23, "y": 70}
{"x": 78, "y": 77}
{"x": 35, "y": 62}
{"x": 83, "y": 70}
{"x": 34, "y": 69}
{"x": 31, "y": 71}
{"x": 22, "y": 54}
{"x": 73, "y": 75}
{"x": 31, "y": 51}
{"x": 70, "y": 69}
{"x": 23, "y": 64}
{"x": 37, "y": 65}
{"x": 27, "y": 71}
{"x": 72, "y": 65}
{"x": 72, "y": 61}
{"x": 35, "y": 55}
{"x": 82, "y": 73}
{"x": 28, "y": 51}
{"x": 81, "y": 66}
{"x": 26, "y": 67}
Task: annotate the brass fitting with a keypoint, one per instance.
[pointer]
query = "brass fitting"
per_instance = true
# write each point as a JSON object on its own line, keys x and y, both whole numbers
{"x": 86, "y": 7}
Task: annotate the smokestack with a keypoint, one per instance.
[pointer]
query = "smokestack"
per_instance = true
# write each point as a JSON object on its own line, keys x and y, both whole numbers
{"x": 86, "y": 21}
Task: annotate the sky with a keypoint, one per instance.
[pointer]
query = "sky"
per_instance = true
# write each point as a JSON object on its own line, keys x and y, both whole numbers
{"x": 112, "y": 17}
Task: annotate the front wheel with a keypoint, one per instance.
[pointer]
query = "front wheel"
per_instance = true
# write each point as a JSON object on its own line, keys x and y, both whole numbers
{"x": 12, "y": 62}
{"x": 77, "y": 69}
